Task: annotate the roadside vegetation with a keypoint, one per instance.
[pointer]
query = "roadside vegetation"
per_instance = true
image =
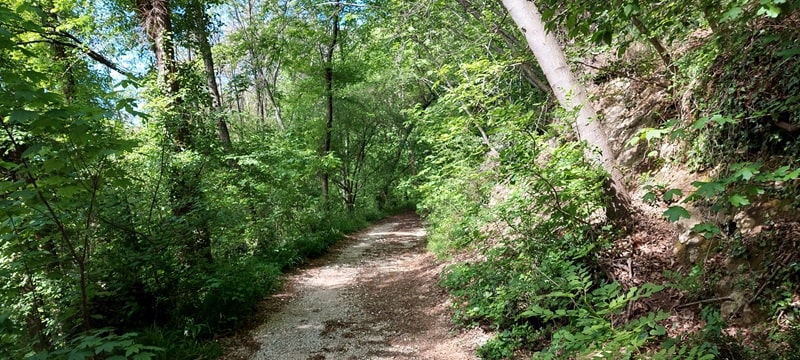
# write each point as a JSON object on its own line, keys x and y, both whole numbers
{"x": 605, "y": 179}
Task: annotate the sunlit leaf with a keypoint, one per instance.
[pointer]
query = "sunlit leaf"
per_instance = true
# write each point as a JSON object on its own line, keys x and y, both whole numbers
{"x": 706, "y": 229}
{"x": 675, "y": 213}
{"x": 738, "y": 200}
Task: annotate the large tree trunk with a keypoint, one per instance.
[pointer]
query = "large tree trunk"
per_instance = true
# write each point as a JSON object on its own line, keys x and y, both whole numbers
{"x": 572, "y": 96}
{"x": 156, "y": 16}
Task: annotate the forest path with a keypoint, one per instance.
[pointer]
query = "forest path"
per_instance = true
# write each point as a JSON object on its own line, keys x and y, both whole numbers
{"x": 374, "y": 296}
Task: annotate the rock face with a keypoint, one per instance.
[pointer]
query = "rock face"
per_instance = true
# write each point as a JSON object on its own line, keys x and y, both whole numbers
{"x": 626, "y": 107}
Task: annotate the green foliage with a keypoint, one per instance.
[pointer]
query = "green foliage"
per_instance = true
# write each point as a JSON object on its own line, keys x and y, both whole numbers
{"x": 751, "y": 92}
{"x": 105, "y": 344}
{"x": 523, "y": 211}
{"x": 123, "y": 211}
{"x": 589, "y": 322}
{"x": 735, "y": 189}
{"x": 695, "y": 284}
{"x": 709, "y": 343}
{"x": 675, "y": 213}
{"x": 230, "y": 294}
{"x": 177, "y": 344}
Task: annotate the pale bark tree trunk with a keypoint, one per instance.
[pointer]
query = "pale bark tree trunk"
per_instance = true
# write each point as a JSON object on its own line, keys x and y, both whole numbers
{"x": 572, "y": 96}
{"x": 271, "y": 89}
{"x": 265, "y": 66}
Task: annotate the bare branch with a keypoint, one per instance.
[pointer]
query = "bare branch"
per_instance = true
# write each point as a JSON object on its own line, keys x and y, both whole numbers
{"x": 76, "y": 43}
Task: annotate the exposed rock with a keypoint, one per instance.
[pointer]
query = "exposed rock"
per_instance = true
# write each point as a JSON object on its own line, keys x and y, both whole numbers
{"x": 626, "y": 107}
{"x": 753, "y": 219}
{"x": 729, "y": 308}
{"x": 690, "y": 245}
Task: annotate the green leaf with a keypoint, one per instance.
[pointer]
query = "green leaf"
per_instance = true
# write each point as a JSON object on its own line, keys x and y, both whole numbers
{"x": 769, "y": 10}
{"x": 716, "y": 119}
{"x": 732, "y": 14}
{"x": 792, "y": 175}
{"x": 630, "y": 9}
{"x": 738, "y": 200}
{"x": 672, "y": 193}
{"x": 708, "y": 189}
{"x": 69, "y": 191}
{"x": 53, "y": 164}
{"x": 653, "y": 134}
{"x": 787, "y": 53}
{"x": 753, "y": 190}
{"x": 658, "y": 331}
{"x": 107, "y": 346}
{"x": 572, "y": 19}
{"x": 706, "y": 229}
{"x": 649, "y": 197}
{"x": 675, "y": 213}
{"x": 20, "y": 116}
{"x": 32, "y": 151}
{"x": 746, "y": 171}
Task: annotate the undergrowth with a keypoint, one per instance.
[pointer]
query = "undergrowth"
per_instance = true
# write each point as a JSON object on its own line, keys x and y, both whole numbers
{"x": 534, "y": 280}
{"x": 740, "y": 136}
{"x": 527, "y": 227}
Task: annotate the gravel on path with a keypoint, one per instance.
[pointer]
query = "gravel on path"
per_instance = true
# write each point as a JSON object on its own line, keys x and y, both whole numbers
{"x": 374, "y": 296}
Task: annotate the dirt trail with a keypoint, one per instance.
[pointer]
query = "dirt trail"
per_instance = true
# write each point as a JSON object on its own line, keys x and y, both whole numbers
{"x": 373, "y": 297}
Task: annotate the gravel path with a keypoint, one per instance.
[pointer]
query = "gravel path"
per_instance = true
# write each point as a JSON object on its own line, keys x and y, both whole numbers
{"x": 373, "y": 297}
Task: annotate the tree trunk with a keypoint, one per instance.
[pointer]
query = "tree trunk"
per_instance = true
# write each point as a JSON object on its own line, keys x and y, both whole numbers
{"x": 660, "y": 49}
{"x": 328, "y": 63}
{"x": 572, "y": 96}
{"x": 201, "y": 29}
{"x": 156, "y": 16}
{"x": 271, "y": 88}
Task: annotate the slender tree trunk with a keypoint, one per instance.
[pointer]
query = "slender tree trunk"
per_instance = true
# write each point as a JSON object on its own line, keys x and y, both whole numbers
{"x": 237, "y": 93}
{"x": 513, "y": 44}
{"x": 328, "y": 63}
{"x": 202, "y": 35}
{"x": 35, "y": 327}
{"x": 710, "y": 16}
{"x": 259, "y": 84}
{"x": 68, "y": 90}
{"x": 271, "y": 95}
{"x": 660, "y": 49}
{"x": 572, "y": 96}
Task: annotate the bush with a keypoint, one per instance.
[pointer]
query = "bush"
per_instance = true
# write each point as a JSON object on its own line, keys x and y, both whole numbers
{"x": 232, "y": 292}
{"x": 534, "y": 279}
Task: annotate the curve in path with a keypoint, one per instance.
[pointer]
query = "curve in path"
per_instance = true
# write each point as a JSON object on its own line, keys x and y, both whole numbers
{"x": 373, "y": 297}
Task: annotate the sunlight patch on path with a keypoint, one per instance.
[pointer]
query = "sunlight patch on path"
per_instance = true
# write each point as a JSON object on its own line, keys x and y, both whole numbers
{"x": 374, "y": 299}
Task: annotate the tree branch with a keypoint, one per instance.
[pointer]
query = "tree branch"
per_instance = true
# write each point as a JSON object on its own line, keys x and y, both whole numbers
{"x": 76, "y": 43}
